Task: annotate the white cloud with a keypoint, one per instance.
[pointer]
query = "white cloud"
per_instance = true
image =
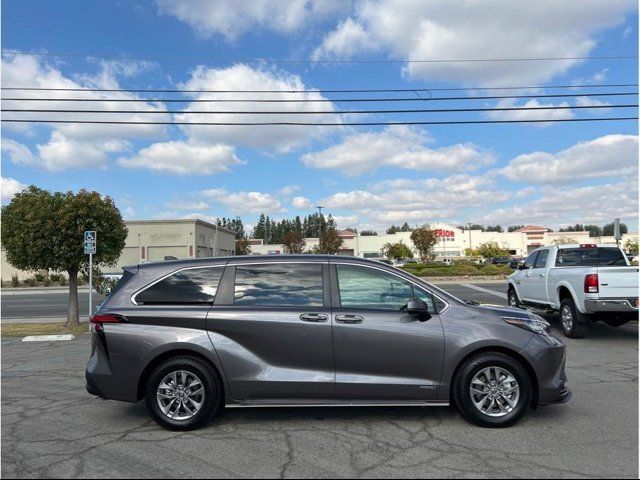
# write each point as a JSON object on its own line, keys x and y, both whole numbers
{"x": 301, "y": 203}
{"x": 592, "y": 204}
{"x": 17, "y": 152}
{"x": 183, "y": 158}
{"x": 244, "y": 202}
{"x": 10, "y": 186}
{"x": 560, "y": 114}
{"x": 610, "y": 155}
{"x": 77, "y": 145}
{"x": 233, "y": 18}
{"x": 243, "y": 77}
{"x": 417, "y": 201}
{"x": 458, "y": 29}
{"x": 396, "y": 146}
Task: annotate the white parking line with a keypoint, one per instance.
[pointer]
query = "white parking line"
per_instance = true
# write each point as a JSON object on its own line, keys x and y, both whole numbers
{"x": 485, "y": 290}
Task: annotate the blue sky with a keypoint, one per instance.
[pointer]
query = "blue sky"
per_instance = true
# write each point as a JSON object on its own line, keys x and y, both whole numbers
{"x": 368, "y": 177}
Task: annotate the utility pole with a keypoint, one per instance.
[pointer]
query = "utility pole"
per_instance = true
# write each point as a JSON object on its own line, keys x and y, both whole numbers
{"x": 319, "y": 221}
{"x": 469, "y": 228}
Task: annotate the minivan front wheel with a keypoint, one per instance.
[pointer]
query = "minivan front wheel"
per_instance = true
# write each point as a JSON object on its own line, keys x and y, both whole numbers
{"x": 492, "y": 390}
{"x": 182, "y": 394}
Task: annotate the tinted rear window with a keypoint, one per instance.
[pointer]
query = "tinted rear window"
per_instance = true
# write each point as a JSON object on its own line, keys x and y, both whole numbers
{"x": 279, "y": 285}
{"x": 585, "y": 257}
{"x": 192, "y": 286}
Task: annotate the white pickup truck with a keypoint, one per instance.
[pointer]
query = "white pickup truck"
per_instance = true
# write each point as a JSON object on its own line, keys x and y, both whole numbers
{"x": 583, "y": 282}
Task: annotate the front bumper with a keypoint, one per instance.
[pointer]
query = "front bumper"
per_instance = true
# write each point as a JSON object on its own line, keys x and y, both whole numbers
{"x": 618, "y": 305}
{"x": 548, "y": 362}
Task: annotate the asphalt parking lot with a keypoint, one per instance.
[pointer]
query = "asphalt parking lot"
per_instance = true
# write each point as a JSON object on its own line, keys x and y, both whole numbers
{"x": 53, "y": 428}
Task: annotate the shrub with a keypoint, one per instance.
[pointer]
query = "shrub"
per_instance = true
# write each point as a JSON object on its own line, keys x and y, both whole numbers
{"x": 495, "y": 270}
{"x": 14, "y": 281}
{"x": 47, "y": 282}
{"x": 464, "y": 270}
{"x": 31, "y": 282}
{"x": 62, "y": 281}
{"x": 39, "y": 277}
{"x": 55, "y": 277}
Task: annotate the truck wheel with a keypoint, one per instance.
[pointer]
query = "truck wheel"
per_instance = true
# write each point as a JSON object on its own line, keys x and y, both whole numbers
{"x": 513, "y": 299}
{"x": 574, "y": 324}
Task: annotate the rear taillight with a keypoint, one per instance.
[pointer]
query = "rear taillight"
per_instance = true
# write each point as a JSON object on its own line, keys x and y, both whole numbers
{"x": 98, "y": 320}
{"x": 591, "y": 283}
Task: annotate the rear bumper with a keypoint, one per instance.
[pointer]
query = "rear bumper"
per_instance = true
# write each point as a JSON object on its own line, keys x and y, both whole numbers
{"x": 618, "y": 305}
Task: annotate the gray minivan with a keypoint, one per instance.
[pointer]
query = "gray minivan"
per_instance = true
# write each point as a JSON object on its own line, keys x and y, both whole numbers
{"x": 192, "y": 336}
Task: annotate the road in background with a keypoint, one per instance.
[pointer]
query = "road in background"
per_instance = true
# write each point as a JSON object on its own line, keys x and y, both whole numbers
{"x": 40, "y": 306}
{"x": 49, "y": 306}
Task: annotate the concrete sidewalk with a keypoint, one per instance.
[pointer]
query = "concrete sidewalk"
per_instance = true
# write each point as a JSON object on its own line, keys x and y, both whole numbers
{"x": 40, "y": 290}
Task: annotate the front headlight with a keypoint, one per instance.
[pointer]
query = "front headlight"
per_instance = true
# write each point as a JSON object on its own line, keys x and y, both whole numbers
{"x": 535, "y": 323}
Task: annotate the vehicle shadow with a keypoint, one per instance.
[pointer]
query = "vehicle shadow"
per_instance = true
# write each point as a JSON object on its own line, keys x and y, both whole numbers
{"x": 598, "y": 330}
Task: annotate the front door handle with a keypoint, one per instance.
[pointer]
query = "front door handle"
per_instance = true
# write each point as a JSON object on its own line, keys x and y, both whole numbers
{"x": 313, "y": 317}
{"x": 349, "y": 319}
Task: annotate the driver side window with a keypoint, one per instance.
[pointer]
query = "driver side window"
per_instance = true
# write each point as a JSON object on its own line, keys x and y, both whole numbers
{"x": 531, "y": 260}
{"x": 363, "y": 288}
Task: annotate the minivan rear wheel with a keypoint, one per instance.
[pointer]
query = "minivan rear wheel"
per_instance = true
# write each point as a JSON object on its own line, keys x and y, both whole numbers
{"x": 492, "y": 390}
{"x": 182, "y": 393}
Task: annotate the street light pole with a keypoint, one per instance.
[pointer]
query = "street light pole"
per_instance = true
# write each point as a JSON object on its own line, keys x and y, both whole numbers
{"x": 469, "y": 228}
{"x": 319, "y": 221}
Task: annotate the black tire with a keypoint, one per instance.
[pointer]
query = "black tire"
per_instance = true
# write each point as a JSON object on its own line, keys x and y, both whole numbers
{"x": 463, "y": 398}
{"x": 512, "y": 298}
{"x": 210, "y": 383}
{"x": 575, "y": 326}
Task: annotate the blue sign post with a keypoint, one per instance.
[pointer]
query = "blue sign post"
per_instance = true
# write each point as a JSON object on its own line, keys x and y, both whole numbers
{"x": 90, "y": 242}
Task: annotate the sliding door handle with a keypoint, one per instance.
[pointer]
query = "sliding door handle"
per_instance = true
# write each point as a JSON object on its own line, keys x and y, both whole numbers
{"x": 349, "y": 319}
{"x": 314, "y": 317}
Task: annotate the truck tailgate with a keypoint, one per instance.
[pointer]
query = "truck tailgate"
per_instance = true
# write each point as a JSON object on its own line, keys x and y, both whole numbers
{"x": 618, "y": 282}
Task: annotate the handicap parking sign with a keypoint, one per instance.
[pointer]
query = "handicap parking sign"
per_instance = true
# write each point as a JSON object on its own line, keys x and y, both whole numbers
{"x": 90, "y": 241}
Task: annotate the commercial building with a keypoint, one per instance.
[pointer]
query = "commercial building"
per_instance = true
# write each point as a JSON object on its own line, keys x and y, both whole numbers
{"x": 156, "y": 240}
{"x": 453, "y": 241}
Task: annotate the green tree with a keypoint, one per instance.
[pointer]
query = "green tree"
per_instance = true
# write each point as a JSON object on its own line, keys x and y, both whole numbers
{"x": 564, "y": 240}
{"x": 44, "y": 230}
{"x": 631, "y": 246}
{"x": 490, "y": 250}
{"x": 330, "y": 242}
{"x": 293, "y": 242}
{"x": 368, "y": 233}
{"x": 609, "y": 229}
{"x": 513, "y": 228}
{"x": 396, "y": 251}
{"x": 425, "y": 240}
{"x": 243, "y": 247}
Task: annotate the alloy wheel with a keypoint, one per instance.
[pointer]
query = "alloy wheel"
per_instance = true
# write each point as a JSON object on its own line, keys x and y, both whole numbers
{"x": 180, "y": 395}
{"x": 495, "y": 391}
{"x": 566, "y": 316}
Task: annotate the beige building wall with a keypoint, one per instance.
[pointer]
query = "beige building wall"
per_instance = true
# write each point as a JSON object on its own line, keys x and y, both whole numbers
{"x": 153, "y": 240}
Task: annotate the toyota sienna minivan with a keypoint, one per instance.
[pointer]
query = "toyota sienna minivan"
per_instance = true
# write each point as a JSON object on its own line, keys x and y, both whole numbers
{"x": 193, "y": 336}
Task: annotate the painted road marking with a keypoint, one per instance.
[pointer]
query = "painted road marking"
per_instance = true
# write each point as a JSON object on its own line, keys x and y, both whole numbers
{"x": 48, "y": 338}
{"x": 485, "y": 290}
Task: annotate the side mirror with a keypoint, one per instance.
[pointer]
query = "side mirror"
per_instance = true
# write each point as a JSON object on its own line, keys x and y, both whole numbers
{"x": 522, "y": 267}
{"x": 418, "y": 307}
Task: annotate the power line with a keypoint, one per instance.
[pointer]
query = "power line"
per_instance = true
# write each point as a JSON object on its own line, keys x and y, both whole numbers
{"x": 317, "y": 112}
{"x": 312, "y": 61}
{"x": 322, "y": 100}
{"x": 315, "y": 124}
{"x": 365, "y": 90}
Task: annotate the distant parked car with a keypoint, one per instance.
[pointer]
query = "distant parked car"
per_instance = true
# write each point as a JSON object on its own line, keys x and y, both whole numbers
{"x": 498, "y": 260}
{"x": 515, "y": 262}
{"x": 405, "y": 261}
{"x": 383, "y": 260}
